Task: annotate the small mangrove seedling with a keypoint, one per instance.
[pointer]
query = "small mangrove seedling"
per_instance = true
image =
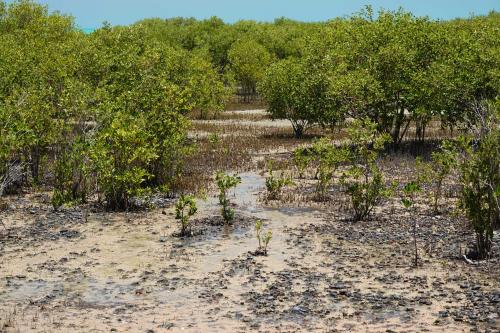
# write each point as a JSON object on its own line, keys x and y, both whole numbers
{"x": 363, "y": 179}
{"x": 184, "y": 209}
{"x": 409, "y": 192}
{"x": 214, "y": 138}
{"x": 301, "y": 160}
{"x": 329, "y": 157}
{"x": 263, "y": 239}
{"x": 274, "y": 185}
{"x": 479, "y": 199}
{"x": 434, "y": 173}
{"x": 225, "y": 183}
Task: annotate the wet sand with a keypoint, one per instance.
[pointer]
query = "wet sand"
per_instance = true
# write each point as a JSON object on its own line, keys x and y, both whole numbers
{"x": 128, "y": 273}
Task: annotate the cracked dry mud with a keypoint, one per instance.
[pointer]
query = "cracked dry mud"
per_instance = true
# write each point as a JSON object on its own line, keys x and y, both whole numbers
{"x": 127, "y": 273}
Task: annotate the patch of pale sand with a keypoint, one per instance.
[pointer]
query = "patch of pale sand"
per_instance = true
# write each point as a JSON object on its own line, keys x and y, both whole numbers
{"x": 262, "y": 112}
{"x": 278, "y": 123}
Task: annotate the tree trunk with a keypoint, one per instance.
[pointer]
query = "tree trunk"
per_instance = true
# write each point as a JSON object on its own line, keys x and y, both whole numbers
{"x": 35, "y": 163}
{"x": 483, "y": 245}
{"x": 396, "y": 127}
{"x": 298, "y": 129}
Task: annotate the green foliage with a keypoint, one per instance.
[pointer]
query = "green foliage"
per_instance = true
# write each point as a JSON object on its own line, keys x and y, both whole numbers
{"x": 248, "y": 61}
{"x": 435, "y": 172}
{"x": 409, "y": 191}
{"x": 263, "y": 239}
{"x": 301, "y": 159}
{"x": 104, "y": 114}
{"x": 479, "y": 166}
{"x": 224, "y": 184}
{"x": 71, "y": 177}
{"x": 382, "y": 60}
{"x": 37, "y": 79}
{"x": 365, "y": 195}
{"x": 184, "y": 209}
{"x": 274, "y": 185}
{"x": 396, "y": 68}
{"x": 297, "y": 92}
{"x": 328, "y": 158}
{"x": 214, "y": 138}
{"x": 363, "y": 180}
{"x": 120, "y": 154}
{"x": 466, "y": 69}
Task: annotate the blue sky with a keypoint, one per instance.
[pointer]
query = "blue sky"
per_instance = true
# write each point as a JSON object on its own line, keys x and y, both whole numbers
{"x": 91, "y": 13}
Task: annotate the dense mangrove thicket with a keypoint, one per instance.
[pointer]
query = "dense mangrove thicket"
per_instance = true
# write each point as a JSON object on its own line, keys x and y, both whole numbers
{"x": 392, "y": 67}
{"x": 95, "y": 114}
{"x": 104, "y": 114}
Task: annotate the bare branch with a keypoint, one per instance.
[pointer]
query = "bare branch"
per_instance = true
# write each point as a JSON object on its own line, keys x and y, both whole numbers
{"x": 14, "y": 172}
